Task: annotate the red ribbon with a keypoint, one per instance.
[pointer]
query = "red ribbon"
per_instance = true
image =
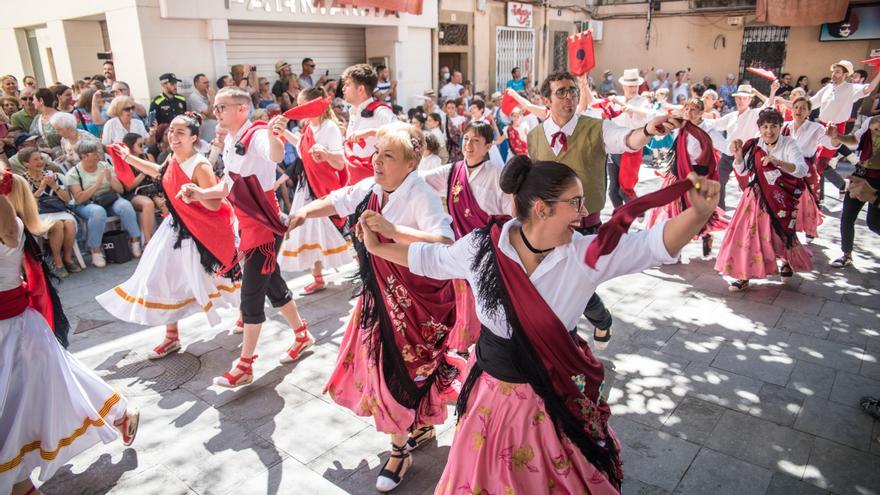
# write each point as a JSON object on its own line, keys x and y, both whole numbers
{"x": 561, "y": 138}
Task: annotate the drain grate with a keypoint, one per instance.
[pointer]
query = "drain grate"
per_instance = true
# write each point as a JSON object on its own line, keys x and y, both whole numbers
{"x": 138, "y": 376}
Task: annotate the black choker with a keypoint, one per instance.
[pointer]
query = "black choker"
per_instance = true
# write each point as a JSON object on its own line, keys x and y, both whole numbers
{"x": 470, "y": 167}
{"x": 522, "y": 235}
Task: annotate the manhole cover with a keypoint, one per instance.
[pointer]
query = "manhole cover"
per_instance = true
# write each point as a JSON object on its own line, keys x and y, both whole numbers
{"x": 138, "y": 376}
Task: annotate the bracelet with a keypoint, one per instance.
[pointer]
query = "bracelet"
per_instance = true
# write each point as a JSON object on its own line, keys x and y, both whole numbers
{"x": 645, "y": 131}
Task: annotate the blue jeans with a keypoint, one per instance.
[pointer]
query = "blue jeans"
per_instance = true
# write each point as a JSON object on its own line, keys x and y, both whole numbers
{"x": 96, "y": 216}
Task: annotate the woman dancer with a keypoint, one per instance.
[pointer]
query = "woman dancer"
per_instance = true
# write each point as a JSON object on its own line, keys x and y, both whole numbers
{"x": 52, "y": 407}
{"x": 392, "y": 364}
{"x": 191, "y": 264}
{"x": 319, "y": 243}
{"x": 515, "y": 134}
{"x": 808, "y": 135}
{"x": 692, "y": 151}
{"x": 763, "y": 228}
{"x": 472, "y": 198}
{"x": 531, "y": 412}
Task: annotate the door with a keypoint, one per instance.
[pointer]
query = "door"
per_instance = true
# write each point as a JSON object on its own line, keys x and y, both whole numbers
{"x": 513, "y": 47}
{"x": 455, "y": 61}
{"x": 763, "y": 47}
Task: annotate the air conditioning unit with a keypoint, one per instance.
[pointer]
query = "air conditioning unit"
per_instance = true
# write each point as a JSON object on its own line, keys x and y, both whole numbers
{"x": 596, "y": 26}
{"x": 735, "y": 21}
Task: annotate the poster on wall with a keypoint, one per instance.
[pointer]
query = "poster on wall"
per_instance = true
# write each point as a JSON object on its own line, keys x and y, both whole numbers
{"x": 862, "y": 22}
{"x": 519, "y": 15}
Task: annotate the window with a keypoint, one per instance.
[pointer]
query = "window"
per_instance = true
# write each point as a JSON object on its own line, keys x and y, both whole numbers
{"x": 453, "y": 34}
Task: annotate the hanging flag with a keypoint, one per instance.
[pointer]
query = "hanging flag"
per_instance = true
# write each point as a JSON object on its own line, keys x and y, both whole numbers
{"x": 122, "y": 169}
{"x": 766, "y": 74}
{"x": 580, "y": 53}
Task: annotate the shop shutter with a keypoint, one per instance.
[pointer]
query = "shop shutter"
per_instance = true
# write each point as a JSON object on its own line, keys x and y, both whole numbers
{"x": 332, "y": 47}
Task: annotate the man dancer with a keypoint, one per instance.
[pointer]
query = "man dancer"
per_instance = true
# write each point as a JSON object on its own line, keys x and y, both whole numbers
{"x": 623, "y": 168}
{"x": 250, "y": 154}
{"x": 581, "y": 143}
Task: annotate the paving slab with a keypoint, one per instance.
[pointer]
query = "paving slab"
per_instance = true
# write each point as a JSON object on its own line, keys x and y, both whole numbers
{"x": 812, "y": 380}
{"x": 653, "y": 456}
{"x": 842, "y": 424}
{"x": 767, "y": 363}
{"x": 719, "y": 474}
{"x": 693, "y": 420}
{"x": 841, "y": 469}
{"x": 782, "y": 484}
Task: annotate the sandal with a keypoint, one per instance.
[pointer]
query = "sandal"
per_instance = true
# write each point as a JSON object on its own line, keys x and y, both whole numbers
{"x": 601, "y": 343}
{"x": 303, "y": 341}
{"x": 842, "y": 262}
{"x": 73, "y": 267}
{"x": 785, "y": 272}
{"x": 738, "y": 286}
{"x": 419, "y": 437}
{"x": 317, "y": 286}
{"x": 871, "y": 405}
{"x": 707, "y": 245}
{"x": 238, "y": 328}
{"x": 128, "y": 425}
{"x": 389, "y": 480}
{"x": 245, "y": 365}
{"x": 166, "y": 347}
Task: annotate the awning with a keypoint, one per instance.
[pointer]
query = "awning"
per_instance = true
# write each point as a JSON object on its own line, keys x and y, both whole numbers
{"x": 800, "y": 12}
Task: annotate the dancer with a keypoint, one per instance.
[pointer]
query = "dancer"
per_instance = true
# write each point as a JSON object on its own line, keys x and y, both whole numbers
{"x": 865, "y": 178}
{"x": 809, "y": 136}
{"x": 763, "y": 228}
{"x": 191, "y": 266}
{"x": 515, "y": 134}
{"x": 531, "y": 414}
{"x": 319, "y": 243}
{"x": 250, "y": 153}
{"x": 692, "y": 152}
{"x": 51, "y": 406}
{"x": 472, "y": 199}
{"x": 623, "y": 168}
{"x": 392, "y": 364}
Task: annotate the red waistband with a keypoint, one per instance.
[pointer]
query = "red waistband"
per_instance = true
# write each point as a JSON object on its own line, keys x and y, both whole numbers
{"x": 15, "y": 301}
{"x": 870, "y": 173}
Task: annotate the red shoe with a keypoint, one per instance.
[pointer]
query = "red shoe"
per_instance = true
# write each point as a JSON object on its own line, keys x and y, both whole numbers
{"x": 128, "y": 425}
{"x": 238, "y": 328}
{"x": 303, "y": 341}
{"x": 165, "y": 348}
{"x": 316, "y": 286}
{"x": 245, "y": 365}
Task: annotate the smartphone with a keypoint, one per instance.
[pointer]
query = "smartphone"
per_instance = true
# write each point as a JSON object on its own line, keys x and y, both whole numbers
{"x": 326, "y": 72}
{"x": 151, "y": 117}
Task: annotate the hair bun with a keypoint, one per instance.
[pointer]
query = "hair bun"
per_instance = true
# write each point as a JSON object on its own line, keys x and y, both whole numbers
{"x": 515, "y": 173}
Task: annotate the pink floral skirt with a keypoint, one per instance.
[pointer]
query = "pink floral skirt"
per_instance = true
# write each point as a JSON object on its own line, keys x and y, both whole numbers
{"x": 467, "y": 326}
{"x": 809, "y": 216}
{"x": 672, "y": 209}
{"x": 751, "y": 247}
{"x": 507, "y": 443}
{"x": 358, "y": 384}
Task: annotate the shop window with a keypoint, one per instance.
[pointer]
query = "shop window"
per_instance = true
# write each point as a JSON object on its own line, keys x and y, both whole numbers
{"x": 453, "y": 34}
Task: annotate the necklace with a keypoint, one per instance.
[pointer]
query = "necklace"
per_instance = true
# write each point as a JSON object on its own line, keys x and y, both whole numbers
{"x": 540, "y": 253}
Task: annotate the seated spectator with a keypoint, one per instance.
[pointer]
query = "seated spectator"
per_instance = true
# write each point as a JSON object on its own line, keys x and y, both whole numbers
{"x": 430, "y": 154}
{"x": 122, "y": 110}
{"x": 25, "y": 141}
{"x": 22, "y": 119}
{"x": 144, "y": 192}
{"x": 96, "y": 191}
{"x": 89, "y": 102}
{"x": 10, "y": 105}
{"x": 52, "y": 199}
{"x": 290, "y": 94}
{"x": 44, "y": 102}
{"x": 65, "y": 126}
{"x": 201, "y": 101}
{"x": 63, "y": 98}
{"x": 9, "y": 85}
{"x": 135, "y": 143}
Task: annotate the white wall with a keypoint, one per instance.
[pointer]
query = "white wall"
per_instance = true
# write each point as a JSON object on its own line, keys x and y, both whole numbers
{"x": 409, "y": 58}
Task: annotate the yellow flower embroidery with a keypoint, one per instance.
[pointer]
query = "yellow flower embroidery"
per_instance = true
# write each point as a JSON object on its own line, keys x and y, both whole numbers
{"x": 538, "y": 417}
{"x": 477, "y": 440}
{"x": 506, "y": 388}
{"x": 522, "y": 457}
{"x": 456, "y": 190}
{"x": 508, "y": 491}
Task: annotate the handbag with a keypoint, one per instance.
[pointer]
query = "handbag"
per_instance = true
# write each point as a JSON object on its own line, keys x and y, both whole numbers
{"x": 50, "y": 204}
{"x": 105, "y": 199}
{"x": 116, "y": 246}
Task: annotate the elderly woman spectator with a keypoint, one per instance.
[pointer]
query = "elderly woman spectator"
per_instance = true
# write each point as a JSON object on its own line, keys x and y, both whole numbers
{"x": 123, "y": 122}
{"x": 88, "y": 100}
{"x": 65, "y": 126}
{"x": 96, "y": 191}
{"x": 52, "y": 198}
{"x": 64, "y": 97}
{"x": 44, "y": 102}
{"x": 10, "y": 105}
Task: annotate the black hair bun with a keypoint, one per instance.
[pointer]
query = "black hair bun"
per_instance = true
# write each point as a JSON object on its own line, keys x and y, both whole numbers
{"x": 514, "y": 174}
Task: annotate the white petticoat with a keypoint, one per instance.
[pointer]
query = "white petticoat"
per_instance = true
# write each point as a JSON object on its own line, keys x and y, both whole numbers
{"x": 317, "y": 239}
{"x": 170, "y": 284}
{"x": 51, "y": 406}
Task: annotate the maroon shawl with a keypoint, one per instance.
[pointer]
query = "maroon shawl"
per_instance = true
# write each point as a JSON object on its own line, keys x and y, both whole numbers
{"x": 461, "y": 203}
{"x": 259, "y": 218}
{"x": 779, "y": 199}
{"x": 682, "y": 161}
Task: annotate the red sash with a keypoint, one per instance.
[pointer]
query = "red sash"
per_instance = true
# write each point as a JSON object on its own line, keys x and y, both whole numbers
{"x": 212, "y": 230}
{"x": 630, "y": 163}
{"x": 259, "y": 218}
{"x": 15, "y": 301}
{"x": 823, "y": 154}
{"x": 779, "y": 198}
{"x": 517, "y": 144}
{"x": 323, "y": 179}
{"x": 461, "y": 203}
{"x": 707, "y": 157}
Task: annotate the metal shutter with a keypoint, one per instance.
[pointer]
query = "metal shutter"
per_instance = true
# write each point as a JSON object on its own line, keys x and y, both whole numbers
{"x": 332, "y": 47}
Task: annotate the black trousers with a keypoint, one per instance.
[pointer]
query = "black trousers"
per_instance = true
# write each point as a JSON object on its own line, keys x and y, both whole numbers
{"x": 615, "y": 192}
{"x": 256, "y": 286}
{"x": 725, "y": 167}
{"x": 851, "y": 209}
{"x": 596, "y": 312}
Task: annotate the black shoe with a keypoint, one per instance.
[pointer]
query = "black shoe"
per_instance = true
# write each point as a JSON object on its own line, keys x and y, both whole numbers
{"x": 871, "y": 406}
{"x": 419, "y": 437}
{"x": 600, "y": 343}
{"x": 842, "y": 262}
{"x": 707, "y": 245}
{"x": 389, "y": 480}
{"x": 785, "y": 272}
{"x": 738, "y": 286}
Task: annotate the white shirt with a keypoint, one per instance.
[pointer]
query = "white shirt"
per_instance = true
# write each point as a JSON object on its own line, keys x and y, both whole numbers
{"x": 742, "y": 126}
{"x": 10, "y": 260}
{"x": 860, "y": 131}
{"x": 430, "y": 162}
{"x": 199, "y": 104}
{"x": 450, "y": 91}
{"x": 114, "y": 132}
{"x": 836, "y": 102}
{"x": 632, "y": 119}
{"x": 381, "y": 116}
{"x": 327, "y": 135}
{"x": 255, "y": 162}
{"x": 787, "y": 150}
{"x": 657, "y": 84}
{"x": 440, "y": 135}
{"x": 718, "y": 141}
{"x": 809, "y": 136}
{"x": 613, "y": 135}
{"x": 485, "y": 185}
{"x": 413, "y": 204}
{"x": 564, "y": 281}
{"x": 531, "y": 121}
{"x": 679, "y": 89}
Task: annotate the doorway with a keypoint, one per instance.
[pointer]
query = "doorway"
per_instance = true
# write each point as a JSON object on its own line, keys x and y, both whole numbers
{"x": 456, "y": 61}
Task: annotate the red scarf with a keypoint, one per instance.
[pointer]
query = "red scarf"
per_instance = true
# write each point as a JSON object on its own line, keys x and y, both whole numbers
{"x": 212, "y": 230}
{"x": 323, "y": 179}
{"x": 630, "y": 163}
{"x": 517, "y": 144}
{"x": 461, "y": 203}
{"x": 122, "y": 169}
{"x": 779, "y": 199}
{"x": 359, "y": 167}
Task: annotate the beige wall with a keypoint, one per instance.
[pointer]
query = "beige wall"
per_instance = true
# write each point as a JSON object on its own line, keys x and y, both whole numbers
{"x": 83, "y": 44}
{"x": 409, "y": 59}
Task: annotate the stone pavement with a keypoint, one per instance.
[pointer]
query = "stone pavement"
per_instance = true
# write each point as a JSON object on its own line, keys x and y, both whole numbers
{"x": 712, "y": 392}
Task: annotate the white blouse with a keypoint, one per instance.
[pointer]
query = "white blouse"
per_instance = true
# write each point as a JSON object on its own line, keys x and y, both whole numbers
{"x": 414, "y": 204}
{"x": 484, "y": 181}
{"x": 787, "y": 150}
{"x": 563, "y": 279}
{"x": 10, "y": 261}
{"x": 809, "y": 136}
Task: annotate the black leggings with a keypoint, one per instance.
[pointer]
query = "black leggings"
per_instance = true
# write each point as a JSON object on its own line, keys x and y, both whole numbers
{"x": 256, "y": 286}
{"x": 851, "y": 209}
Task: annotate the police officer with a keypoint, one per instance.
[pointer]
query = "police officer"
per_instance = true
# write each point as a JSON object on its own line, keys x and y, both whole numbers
{"x": 169, "y": 104}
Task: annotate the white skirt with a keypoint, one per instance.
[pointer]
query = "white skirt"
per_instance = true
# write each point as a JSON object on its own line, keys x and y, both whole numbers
{"x": 51, "y": 406}
{"x": 51, "y": 218}
{"x": 170, "y": 284}
{"x": 315, "y": 240}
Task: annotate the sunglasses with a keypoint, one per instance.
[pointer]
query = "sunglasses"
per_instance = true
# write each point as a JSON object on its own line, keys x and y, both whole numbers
{"x": 128, "y": 109}
{"x": 27, "y": 98}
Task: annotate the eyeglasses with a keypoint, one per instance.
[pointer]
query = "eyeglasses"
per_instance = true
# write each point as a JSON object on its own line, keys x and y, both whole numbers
{"x": 221, "y": 107}
{"x": 27, "y": 98}
{"x": 570, "y": 91}
{"x": 128, "y": 109}
{"x": 576, "y": 202}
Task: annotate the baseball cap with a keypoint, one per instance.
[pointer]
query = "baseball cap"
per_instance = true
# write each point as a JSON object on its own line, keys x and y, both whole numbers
{"x": 21, "y": 138}
{"x": 168, "y": 77}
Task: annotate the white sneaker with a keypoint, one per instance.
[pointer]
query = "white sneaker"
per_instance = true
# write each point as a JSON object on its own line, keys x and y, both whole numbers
{"x": 136, "y": 249}
{"x": 98, "y": 260}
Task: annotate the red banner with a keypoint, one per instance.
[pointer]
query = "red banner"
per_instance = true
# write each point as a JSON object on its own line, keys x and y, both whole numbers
{"x": 580, "y": 53}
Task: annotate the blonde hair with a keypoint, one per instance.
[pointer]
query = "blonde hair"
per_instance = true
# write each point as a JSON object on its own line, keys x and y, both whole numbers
{"x": 407, "y": 137}
{"x": 25, "y": 206}
{"x": 117, "y": 104}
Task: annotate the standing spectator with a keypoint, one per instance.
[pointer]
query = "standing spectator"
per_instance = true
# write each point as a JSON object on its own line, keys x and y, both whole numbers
{"x": 44, "y": 102}
{"x": 452, "y": 89}
{"x": 109, "y": 71}
{"x": 679, "y": 91}
{"x": 517, "y": 82}
{"x": 169, "y": 104}
{"x": 22, "y": 119}
{"x": 607, "y": 85}
{"x": 785, "y": 86}
{"x": 263, "y": 97}
{"x": 429, "y": 106}
{"x": 89, "y": 101}
{"x": 708, "y": 84}
{"x": 121, "y": 88}
{"x": 454, "y": 126}
{"x": 282, "y": 68}
{"x": 63, "y": 97}
{"x": 291, "y": 93}
{"x": 445, "y": 76}
{"x": 386, "y": 90}
{"x": 122, "y": 123}
{"x": 225, "y": 81}
{"x": 245, "y": 77}
{"x": 201, "y": 101}
{"x": 662, "y": 80}
{"x": 727, "y": 90}
{"x": 306, "y": 79}
{"x": 30, "y": 82}
{"x": 803, "y": 82}
{"x": 9, "y": 85}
